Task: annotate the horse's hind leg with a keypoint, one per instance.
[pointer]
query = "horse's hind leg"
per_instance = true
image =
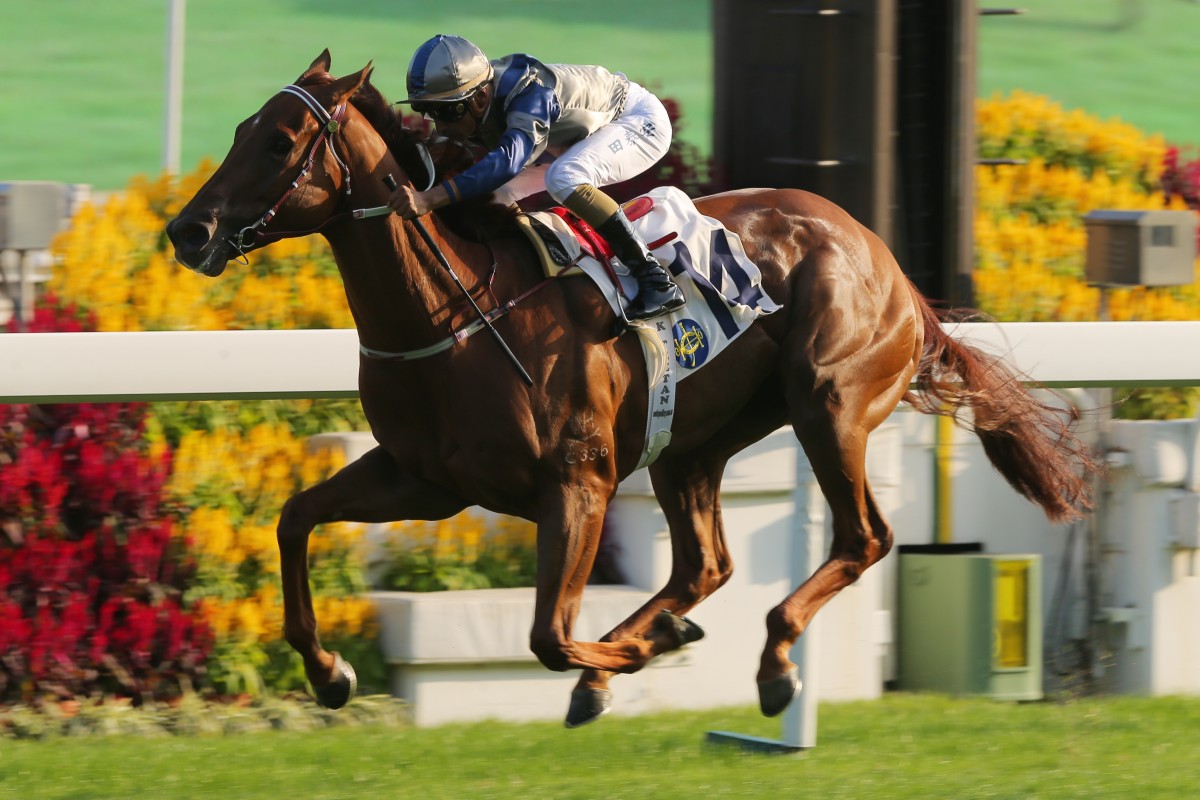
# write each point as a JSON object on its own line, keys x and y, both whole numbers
{"x": 833, "y": 433}
{"x": 371, "y": 489}
{"x": 688, "y": 489}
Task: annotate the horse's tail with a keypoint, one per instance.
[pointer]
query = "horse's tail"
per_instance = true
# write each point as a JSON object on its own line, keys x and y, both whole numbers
{"x": 1032, "y": 444}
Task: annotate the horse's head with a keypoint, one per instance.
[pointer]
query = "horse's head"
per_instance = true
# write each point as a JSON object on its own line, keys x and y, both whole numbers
{"x": 287, "y": 170}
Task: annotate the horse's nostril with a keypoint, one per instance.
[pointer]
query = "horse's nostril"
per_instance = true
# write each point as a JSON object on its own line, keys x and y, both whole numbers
{"x": 188, "y": 236}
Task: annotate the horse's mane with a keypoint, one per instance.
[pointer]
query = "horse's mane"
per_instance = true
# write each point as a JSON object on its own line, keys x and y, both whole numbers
{"x": 477, "y": 220}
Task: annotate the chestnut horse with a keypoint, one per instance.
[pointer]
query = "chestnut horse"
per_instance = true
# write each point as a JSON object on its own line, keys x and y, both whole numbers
{"x": 460, "y": 427}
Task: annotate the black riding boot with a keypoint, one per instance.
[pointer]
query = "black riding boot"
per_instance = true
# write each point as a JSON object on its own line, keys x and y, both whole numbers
{"x": 657, "y": 293}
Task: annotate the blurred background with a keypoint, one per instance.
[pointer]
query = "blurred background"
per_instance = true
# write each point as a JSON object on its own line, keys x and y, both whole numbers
{"x": 137, "y": 553}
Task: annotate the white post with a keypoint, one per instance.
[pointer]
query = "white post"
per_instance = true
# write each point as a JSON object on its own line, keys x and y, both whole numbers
{"x": 23, "y": 302}
{"x": 800, "y": 719}
{"x": 173, "y": 120}
{"x": 799, "y": 728}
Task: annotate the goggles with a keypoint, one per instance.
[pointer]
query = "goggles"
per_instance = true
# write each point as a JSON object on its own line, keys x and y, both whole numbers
{"x": 442, "y": 112}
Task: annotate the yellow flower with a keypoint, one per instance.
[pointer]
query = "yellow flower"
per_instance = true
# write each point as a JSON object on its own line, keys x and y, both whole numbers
{"x": 115, "y": 262}
{"x": 211, "y": 532}
{"x": 248, "y": 620}
{"x": 217, "y": 615}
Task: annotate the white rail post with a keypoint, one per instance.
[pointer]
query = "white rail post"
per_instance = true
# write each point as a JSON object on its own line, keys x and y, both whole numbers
{"x": 173, "y": 117}
{"x": 808, "y": 553}
{"x": 800, "y": 719}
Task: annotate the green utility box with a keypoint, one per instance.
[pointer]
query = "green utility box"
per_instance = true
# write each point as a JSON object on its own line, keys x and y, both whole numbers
{"x": 971, "y": 624}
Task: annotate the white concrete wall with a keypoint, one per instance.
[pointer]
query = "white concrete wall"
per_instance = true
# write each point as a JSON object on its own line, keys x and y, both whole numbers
{"x": 1151, "y": 576}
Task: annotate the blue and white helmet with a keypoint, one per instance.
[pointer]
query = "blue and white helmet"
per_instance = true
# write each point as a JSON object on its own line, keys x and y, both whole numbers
{"x": 446, "y": 69}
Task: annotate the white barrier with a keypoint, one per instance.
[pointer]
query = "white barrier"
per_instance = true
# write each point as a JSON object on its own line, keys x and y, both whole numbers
{"x": 206, "y": 365}
{"x": 177, "y": 365}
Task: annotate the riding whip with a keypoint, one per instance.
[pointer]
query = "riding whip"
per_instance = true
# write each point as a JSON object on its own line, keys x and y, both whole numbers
{"x": 441, "y": 257}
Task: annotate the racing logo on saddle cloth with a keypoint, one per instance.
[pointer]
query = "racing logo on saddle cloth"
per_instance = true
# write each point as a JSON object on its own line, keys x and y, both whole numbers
{"x": 723, "y": 289}
{"x": 691, "y": 348}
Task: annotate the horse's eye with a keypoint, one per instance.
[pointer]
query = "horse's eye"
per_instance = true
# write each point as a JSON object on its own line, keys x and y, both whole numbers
{"x": 281, "y": 145}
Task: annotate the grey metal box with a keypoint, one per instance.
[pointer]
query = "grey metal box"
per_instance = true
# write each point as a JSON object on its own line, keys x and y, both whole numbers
{"x": 1140, "y": 248}
{"x": 31, "y": 213}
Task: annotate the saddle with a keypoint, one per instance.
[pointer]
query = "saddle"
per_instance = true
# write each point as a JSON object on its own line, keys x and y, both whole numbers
{"x": 707, "y": 261}
{"x": 562, "y": 239}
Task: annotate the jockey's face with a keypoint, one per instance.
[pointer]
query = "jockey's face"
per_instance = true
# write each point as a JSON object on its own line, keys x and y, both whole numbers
{"x": 468, "y": 124}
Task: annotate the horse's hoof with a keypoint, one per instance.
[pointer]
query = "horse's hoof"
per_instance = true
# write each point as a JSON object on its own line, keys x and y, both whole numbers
{"x": 681, "y": 629}
{"x": 341, "y": 689}
{"x": 587, "y": 705}
{"x": 776, "y": 694}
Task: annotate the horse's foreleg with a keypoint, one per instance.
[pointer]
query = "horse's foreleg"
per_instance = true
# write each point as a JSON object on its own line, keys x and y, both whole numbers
{"x": 371, "y": 489}
{"x": 688, "y": 490}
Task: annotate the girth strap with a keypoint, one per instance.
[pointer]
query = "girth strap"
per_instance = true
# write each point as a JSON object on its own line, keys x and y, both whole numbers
{"x": 456, "y": 334}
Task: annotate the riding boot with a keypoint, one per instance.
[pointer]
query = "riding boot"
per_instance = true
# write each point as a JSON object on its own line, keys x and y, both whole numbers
{"x": 657, "y": 293}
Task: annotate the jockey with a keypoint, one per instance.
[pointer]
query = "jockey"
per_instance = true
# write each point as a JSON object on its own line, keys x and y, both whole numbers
{"x": 599, "y": 127}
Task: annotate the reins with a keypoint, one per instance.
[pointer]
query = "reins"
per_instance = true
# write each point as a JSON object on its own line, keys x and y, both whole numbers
{"x": 456, "y": 335}
{"x": 252, "y": 237}
{"x": 482, "y": 318}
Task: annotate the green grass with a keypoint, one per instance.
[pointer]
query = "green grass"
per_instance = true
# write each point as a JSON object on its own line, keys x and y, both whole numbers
{"x": 83, "y": 81}
{"x": 903, "y": 746}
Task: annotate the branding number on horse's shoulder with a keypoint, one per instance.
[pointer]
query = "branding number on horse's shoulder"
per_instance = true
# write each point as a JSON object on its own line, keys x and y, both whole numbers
{"x": 579, "y": 448}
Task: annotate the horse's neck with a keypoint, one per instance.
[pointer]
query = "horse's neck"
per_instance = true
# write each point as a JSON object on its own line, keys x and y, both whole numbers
{"x": 400, "y": 296}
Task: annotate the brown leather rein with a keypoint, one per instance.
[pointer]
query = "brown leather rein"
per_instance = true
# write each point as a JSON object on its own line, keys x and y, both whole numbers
{"x": 253, "y": 237}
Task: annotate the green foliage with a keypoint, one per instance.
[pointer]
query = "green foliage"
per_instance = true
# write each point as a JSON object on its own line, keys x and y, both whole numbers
{"x": 1157, "y": 403}
{"x": 239, "y": 668}
{"x": 459, "y": 554}
{"x": 189, "y": 716}
{"x": 420, "y": 570}
{"x": 303, "y": 417}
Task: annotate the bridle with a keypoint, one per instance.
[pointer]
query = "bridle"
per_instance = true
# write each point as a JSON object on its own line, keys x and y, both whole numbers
{"x": 251, "y": 236}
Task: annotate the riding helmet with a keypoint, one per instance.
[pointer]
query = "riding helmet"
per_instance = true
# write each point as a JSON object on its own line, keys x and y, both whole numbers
{"x": 446, "y": 68}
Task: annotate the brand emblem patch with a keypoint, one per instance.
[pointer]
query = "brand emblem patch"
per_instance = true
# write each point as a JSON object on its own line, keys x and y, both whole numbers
{"x": 691, "y": 345}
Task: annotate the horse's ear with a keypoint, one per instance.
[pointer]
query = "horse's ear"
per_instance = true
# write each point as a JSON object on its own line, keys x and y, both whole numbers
{"x": 348, "y": 85}
{"x": 319, "y": 66}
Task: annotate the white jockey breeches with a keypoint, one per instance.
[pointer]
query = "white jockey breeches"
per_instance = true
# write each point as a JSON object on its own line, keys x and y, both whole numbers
{"x": 622, "y": 149}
